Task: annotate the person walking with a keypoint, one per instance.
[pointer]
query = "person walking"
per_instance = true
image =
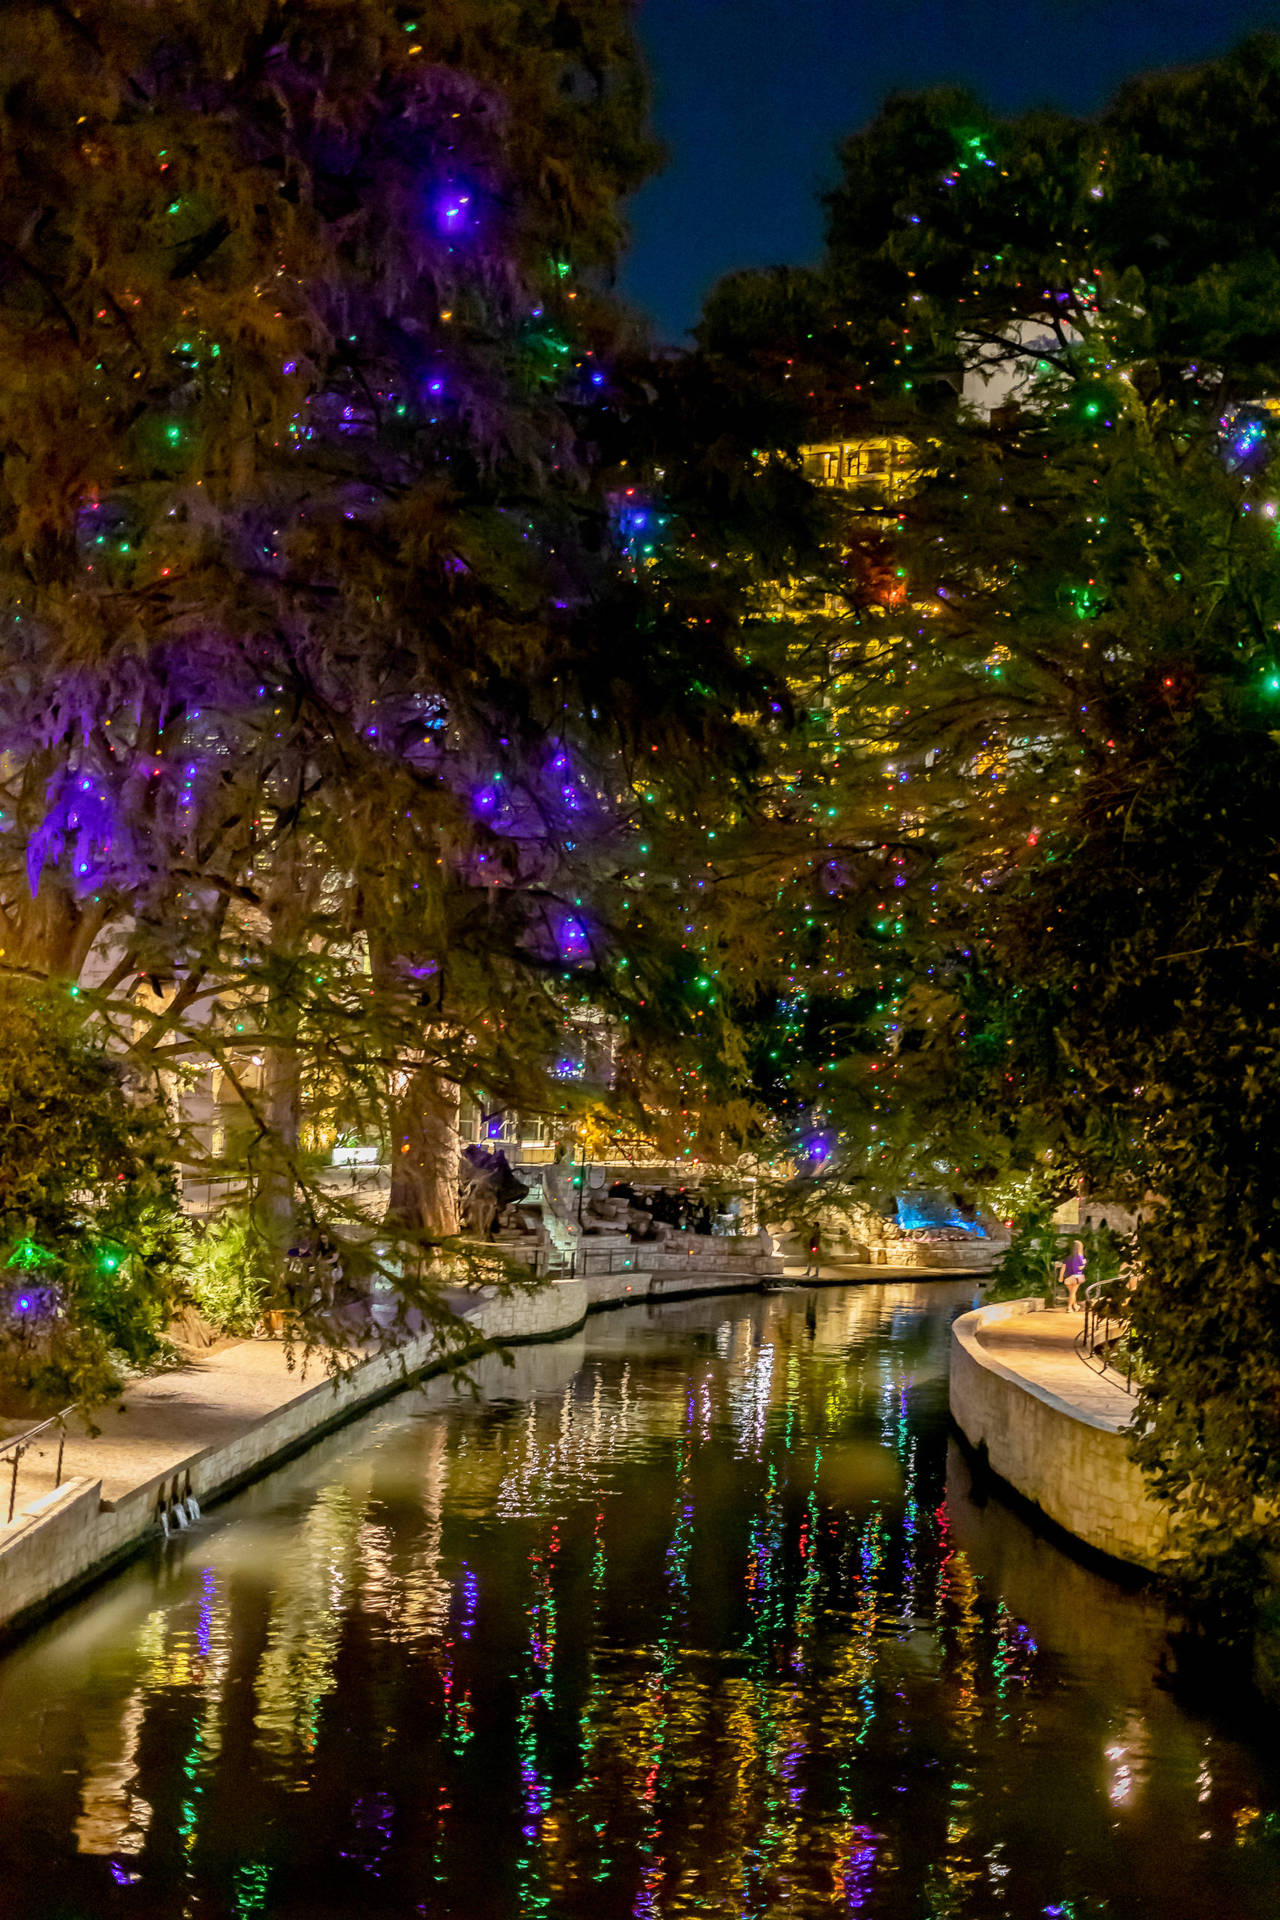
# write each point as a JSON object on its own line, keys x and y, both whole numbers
{"x": 811, "y": 1271}
{"x": 1071, "y": 1273}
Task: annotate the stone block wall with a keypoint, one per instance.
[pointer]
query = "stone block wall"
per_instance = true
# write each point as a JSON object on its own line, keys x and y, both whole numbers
{"x": 72, "y": 1535}
{"x": 616, "y": 1289}
{"x": 1072, "y": 1465}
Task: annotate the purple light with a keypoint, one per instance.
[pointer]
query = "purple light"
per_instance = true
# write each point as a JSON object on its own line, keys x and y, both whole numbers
{"x": 452, "y": 216}
{"x": 572, "y": 940}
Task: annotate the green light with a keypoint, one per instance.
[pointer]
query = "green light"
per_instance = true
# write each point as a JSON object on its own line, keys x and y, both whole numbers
{"x": 28, "y": 1254}
{"x": 1092, "y": 407}
{"x": 1272, "y": 683}
{"x": 173, "y": 433}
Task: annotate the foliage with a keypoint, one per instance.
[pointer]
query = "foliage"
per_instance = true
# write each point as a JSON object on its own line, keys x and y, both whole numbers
{"x": 1067, "y": 714}
{"x": 384, "y": 674}
{"x": 90, "y": 1229}
{"x": 1037, "y": 1249}
{"x": 1030, "y": 1265}
{"x": 227, "y": 1275}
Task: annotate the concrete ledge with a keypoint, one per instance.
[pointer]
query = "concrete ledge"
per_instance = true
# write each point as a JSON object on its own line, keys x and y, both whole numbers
{"x": 70, "y": 1538}
{"x": 1071, "y": 1464}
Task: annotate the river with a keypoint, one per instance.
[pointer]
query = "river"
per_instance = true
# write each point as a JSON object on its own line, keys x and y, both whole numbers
{"x": 693, "y": 1613}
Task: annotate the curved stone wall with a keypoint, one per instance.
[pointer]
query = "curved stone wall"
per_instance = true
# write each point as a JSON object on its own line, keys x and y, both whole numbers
{"x": 1072, "y": 1465}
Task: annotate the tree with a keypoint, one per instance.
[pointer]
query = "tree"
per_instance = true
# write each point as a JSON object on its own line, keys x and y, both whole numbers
{"x": 90, "y": 1227}
{"x": 357, "y": 737}
{"x": 1075, "y": 704}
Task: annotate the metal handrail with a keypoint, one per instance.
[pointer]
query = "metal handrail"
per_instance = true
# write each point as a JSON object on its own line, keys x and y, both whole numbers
{"x": 1101, "y": 1312}
{"x": 21, "y": 1445}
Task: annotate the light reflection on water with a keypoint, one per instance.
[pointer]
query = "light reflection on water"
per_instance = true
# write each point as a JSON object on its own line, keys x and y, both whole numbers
{"x": 690, "y": 1615}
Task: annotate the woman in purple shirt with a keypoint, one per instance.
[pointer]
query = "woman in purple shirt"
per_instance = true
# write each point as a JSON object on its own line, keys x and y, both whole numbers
{"x": 1071, "y": 1272}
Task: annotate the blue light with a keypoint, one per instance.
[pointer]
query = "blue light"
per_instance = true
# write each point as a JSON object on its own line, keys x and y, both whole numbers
{"x": 453, "y": 213}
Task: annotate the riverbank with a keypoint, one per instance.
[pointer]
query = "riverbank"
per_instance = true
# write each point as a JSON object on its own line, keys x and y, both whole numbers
{"x": 626, "y": 1620}
{"x": 1052, "y": 1429}
{"x": 205, "y": 1431}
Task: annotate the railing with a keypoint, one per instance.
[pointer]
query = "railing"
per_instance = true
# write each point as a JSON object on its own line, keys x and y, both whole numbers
{"x": 1106, "y": 1322}
{"x": 14, "y": 1451}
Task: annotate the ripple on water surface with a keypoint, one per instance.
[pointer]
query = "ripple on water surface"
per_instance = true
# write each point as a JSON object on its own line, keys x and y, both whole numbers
{"x": 692, "y": 1614}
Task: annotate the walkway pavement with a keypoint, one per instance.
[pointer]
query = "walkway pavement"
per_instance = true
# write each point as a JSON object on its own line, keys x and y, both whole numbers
{"x": 162, "y": 1421}
{"x": 1041, "y": 1347}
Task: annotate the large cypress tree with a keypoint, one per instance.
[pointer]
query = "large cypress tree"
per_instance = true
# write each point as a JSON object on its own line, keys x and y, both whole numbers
{"x": 373, "y": 680}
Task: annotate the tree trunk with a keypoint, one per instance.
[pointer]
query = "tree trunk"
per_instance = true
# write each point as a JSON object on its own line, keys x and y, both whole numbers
{"x": 280, "y": 1102}
{"x": 424, "y": 1155}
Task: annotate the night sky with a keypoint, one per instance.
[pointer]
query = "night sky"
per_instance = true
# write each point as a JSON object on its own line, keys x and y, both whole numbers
{"x": 752, "y": 96}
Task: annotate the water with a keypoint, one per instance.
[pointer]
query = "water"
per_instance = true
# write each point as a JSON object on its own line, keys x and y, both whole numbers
{"x": 691, "y": 1615}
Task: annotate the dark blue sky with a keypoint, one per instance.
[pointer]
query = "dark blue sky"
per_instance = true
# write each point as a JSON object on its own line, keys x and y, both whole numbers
{"x": 752, "y": 96}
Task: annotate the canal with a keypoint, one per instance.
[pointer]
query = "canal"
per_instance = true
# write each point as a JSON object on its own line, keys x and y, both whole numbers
{"x": 692, "y": 1614}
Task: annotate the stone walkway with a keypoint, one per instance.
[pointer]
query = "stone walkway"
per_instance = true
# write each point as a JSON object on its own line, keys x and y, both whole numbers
{"x": 163, "y": 1420}
{"x": 1041, "y": 1347}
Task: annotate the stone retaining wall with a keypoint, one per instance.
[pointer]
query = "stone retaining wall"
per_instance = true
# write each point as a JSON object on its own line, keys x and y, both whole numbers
{"x": 73, "y": 1535}
{"x": 1071, "y": 1465}
{"x": 624, "y": 1289}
